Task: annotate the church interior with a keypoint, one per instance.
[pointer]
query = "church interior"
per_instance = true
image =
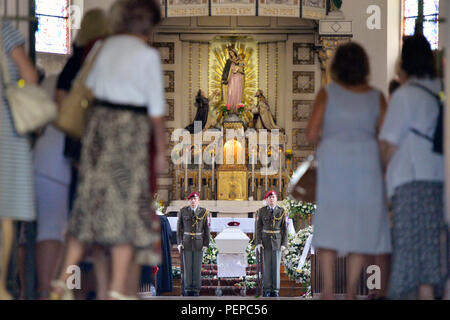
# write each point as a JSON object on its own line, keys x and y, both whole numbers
{"x": 240, "y": 80}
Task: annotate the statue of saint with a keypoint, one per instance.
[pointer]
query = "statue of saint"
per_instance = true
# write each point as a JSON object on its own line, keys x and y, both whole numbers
{"x": 335, "y": 5}
{"x": 202, "y": 104}
{"x": 233, "y": 77}
{"x": 263, "y": 118}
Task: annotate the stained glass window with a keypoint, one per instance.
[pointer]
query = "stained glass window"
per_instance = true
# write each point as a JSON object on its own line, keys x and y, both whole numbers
{"x": 53, "y": 34}
{"x": 431, "y": 19}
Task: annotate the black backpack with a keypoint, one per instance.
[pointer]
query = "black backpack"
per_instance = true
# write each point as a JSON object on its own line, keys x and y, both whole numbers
{"x": 438, "y": 137}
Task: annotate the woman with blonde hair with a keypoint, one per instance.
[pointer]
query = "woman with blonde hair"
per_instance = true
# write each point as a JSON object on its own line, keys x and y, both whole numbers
{"x": 113, "y": 203}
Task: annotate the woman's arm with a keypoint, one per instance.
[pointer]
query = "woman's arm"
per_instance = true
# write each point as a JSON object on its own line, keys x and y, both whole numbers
{"x": 387, "y": 150}
{"x": 315, "y": 122}
{"x": 26, "y": 69}
{"x": 383, "y": 108}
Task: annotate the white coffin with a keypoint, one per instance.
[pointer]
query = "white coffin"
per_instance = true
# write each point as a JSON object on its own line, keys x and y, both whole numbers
{"x": 231, "y": 240}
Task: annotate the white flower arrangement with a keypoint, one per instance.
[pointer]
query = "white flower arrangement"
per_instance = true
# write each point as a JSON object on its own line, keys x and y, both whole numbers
{"x": 298, "y": 208}
{"x": 292, "y": 256}
{"x": 210, "y": 256}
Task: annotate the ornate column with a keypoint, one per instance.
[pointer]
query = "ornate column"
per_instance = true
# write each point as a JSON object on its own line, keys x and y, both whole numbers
{"x": 334, "y": 30}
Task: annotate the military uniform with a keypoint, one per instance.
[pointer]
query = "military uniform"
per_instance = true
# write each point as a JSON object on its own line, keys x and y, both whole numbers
{"x": 271, "y": 232}
{"x": 193, "y": 233}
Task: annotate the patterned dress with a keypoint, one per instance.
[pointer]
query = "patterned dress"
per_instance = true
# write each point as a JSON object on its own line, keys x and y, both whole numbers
{"x": 16, "y": 166}
{"x": 113, "y": 201}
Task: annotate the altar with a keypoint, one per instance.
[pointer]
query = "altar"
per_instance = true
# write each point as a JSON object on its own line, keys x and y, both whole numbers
{"x": 223, "y": 208}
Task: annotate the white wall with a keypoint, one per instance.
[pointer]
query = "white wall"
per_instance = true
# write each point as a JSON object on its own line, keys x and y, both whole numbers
{"x": 382, "y": 45}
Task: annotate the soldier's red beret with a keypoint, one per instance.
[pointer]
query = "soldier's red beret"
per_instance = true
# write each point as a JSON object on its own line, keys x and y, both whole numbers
{"x": 270, "y": 193}
{"x": 193, "y": 194}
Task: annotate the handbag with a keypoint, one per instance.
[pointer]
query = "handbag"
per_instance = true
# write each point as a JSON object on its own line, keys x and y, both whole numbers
{"x": 71, "y": 117}
{"x": 31, "y": 107}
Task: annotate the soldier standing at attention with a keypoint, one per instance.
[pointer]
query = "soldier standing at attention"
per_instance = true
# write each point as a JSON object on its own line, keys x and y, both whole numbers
{"x": 271, "y": 236}
{"x": 193, "y": 236}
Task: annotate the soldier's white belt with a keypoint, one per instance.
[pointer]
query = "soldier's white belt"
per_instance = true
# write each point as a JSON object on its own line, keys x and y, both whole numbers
{"x": 193, "y": 234}
{"x": 271, "y": 231}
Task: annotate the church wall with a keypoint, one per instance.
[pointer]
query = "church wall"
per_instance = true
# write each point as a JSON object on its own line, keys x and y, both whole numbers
{"x": 382, "y": 45}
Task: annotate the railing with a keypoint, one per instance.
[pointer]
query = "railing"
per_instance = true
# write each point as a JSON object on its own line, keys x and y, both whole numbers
{"x": 340, "y": 283}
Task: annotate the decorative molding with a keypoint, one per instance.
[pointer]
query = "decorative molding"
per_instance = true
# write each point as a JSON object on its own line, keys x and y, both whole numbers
{"x": 279, "y": 8}
{"x": 303, "y": 53}
{"x": 171, "y": 144}
{"x": 170, "y": 110}
{"x": 301, "y": 110}
{"x": 187, "y": 8}
{"x": 303, "y": 82}
{"x": 299, "y": 142}
{"x": 169, "y": 81}
{"x": 313, "y": 9}
{"x": 167, "y": 51}
{"x": 335, "y": 28}
{"x": 233, "y": 7}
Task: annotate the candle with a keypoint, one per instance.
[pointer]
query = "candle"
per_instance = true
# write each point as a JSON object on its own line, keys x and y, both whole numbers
{"x": 279, "y": 179}
{"x": 212, "y": 178}
{"x": 200, "y": 172}
{"x": 186, "y": 170}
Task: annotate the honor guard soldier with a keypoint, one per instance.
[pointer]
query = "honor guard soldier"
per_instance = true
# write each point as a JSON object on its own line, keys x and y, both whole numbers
{"x": 193, "y": 236}
{"x": 271, "y": 237}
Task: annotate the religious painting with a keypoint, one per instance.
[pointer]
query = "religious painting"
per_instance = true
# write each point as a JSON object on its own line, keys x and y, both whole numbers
{"x": 299, "y": 141}
{"x": 302, "y": 110}
{"x": 303, "y": 82}
{"x": 313, "y": 9}
{"x": 169, "y": 81}
{"x": 233, "y": 7}
{"x": 303, "y": 53}
{"x": 233, "y": 75}
{"x": 279, "y": 8}
{"x": 185, "y": 8}
{"x": 166, "y": 51}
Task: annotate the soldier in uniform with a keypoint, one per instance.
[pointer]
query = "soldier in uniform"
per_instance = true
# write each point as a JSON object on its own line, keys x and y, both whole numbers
{"x": 271, "y": 236}
{"x": 193, "y": 236}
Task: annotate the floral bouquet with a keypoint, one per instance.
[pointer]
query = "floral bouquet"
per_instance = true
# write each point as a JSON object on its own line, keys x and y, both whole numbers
{"x": 210, "y": 256}
{"x": 225, "y": 109}
{"x": 292, "y": 257}
{"x": 159, "y": 206}
{"x": 298, "y": 208}
{"x": 240, "y": 108}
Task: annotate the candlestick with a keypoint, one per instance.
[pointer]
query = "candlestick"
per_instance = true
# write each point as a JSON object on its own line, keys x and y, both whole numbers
{"x": 279, "y": 178}
{"x": 186, "y": 170}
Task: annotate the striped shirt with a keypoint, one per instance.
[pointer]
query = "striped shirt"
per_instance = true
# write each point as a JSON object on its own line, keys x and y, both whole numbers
{"x": 16, "y": 166}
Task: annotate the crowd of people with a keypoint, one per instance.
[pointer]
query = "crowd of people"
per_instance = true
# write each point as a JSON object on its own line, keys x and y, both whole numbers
{"x": 380, "y": 182}
{"x": 91, "y": 198}
{"x": 372, "y": 156}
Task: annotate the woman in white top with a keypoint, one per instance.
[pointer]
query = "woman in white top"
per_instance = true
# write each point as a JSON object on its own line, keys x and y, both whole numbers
{"x": 415, "y": 176}
{"x": 113, "y": 203}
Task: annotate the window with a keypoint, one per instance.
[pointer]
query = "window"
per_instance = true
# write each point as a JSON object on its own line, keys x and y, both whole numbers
{"x": 53, "y": 34}
{"x": 431, "y": 19}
